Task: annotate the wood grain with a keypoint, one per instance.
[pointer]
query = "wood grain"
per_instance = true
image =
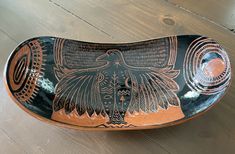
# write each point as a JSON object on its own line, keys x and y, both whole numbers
{"x": 112, "y": 21}
{"x": 219, "y": 12}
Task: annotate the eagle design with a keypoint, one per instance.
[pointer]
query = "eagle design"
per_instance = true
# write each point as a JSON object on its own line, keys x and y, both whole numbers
{"x": 114, "y": 88}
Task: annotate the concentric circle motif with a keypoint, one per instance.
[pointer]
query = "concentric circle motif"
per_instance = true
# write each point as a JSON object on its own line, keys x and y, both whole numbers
{"x": 206, "y": 67}
{"x": 24, "y": 71}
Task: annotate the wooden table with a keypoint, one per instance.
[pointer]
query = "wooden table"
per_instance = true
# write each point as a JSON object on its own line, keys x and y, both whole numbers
{"x": 116, "y": 21}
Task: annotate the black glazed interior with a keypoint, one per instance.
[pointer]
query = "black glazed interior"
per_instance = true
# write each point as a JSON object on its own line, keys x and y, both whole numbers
{"x": 42, "y": 94}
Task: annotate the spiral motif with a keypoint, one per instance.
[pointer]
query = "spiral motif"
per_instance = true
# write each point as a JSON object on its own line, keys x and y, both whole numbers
{"x": 206, "y": 67}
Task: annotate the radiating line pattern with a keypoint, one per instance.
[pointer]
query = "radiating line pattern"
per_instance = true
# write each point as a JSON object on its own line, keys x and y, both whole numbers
{"x": 26, "y": 68}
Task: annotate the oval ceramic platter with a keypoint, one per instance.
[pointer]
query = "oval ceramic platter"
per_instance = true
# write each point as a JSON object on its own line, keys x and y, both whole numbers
{"x": 148, "y": 84}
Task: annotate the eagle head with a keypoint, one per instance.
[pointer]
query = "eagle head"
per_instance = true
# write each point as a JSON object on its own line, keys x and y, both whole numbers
{"x": 112, "y": 55}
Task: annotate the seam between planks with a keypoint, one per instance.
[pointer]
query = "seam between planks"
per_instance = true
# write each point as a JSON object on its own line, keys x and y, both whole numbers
{"x": 80, "y": 18}
{"x": 161, "y": 146}
{"x": 11, "y": 139}
{"x": 200, "y": 16}
{"x": 9, "y": 36}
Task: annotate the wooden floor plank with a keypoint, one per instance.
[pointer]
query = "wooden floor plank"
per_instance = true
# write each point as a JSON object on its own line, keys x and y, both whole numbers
{"x": 144, "y": 19}
{"x": 26, "y": 19}
{"x": 221, "y": 12}
{"x": 8, "y": 144}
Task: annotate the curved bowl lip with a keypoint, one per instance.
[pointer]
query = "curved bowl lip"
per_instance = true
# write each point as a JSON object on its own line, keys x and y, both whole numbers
{"x": 83, "y": 128}
{"x": 107, "y": 43}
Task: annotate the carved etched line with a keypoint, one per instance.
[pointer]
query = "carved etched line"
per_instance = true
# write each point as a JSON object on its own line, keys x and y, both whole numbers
{"x": 173, "y": 50}
{"x": 31, "y": 87}
{"x": 58, "y": 46}
{"x": 197, "y": 64}
{"x": 212, "y": 81}
{"x": 157, "y": 53}
{"x": 115, "y": 91}
{"x": 20, "y": 70}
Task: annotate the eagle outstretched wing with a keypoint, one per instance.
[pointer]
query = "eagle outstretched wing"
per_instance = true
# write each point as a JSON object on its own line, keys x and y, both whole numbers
{"x": 78, "y": 89}
{"x": 150, "y": 65}
{"x": 153, "y": 89}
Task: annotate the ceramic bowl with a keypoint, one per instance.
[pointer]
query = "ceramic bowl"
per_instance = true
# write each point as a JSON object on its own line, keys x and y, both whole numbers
{"x": 104, "y": 86}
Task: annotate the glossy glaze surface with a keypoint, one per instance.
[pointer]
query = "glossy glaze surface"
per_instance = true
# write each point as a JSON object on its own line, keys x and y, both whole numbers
{"x": 138, "y": 85}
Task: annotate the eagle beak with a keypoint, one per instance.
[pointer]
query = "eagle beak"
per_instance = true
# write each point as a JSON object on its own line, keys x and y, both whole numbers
{"x": 102, "y": 57}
